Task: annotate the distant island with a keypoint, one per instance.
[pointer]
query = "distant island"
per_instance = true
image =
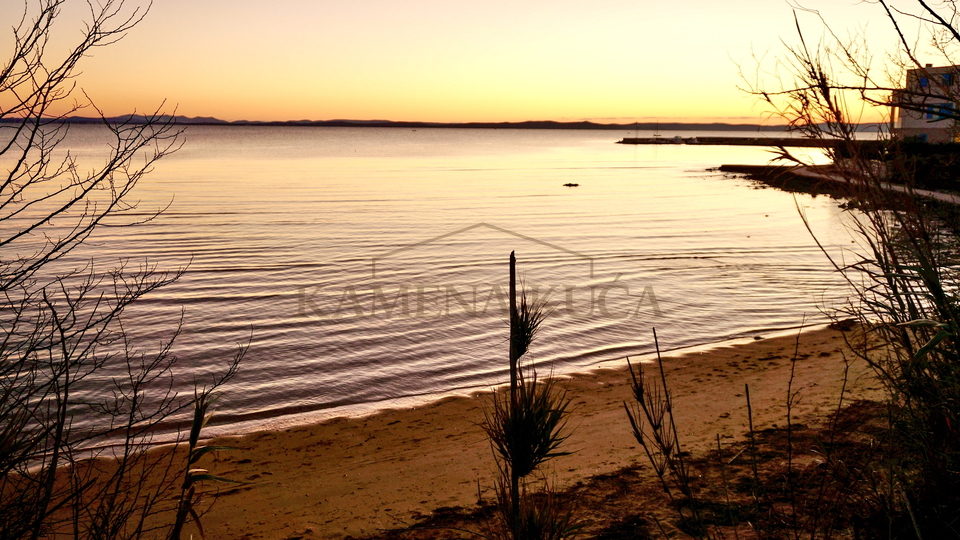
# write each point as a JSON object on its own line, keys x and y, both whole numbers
{"x": 530, "y": 124}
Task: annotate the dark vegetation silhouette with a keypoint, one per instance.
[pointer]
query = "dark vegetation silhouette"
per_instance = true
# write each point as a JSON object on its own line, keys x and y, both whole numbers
{"x": 526, "y": 425}
{"x": 902, "y": 481}
{"x": 903, "y": 276}
{"x": 78, "y": 379}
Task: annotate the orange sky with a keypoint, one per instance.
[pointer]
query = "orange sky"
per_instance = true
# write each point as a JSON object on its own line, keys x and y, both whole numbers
{"x": 449, "y": 60}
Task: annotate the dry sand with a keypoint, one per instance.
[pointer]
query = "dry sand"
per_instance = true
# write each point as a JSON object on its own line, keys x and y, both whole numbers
{"x": 355, "y": 476}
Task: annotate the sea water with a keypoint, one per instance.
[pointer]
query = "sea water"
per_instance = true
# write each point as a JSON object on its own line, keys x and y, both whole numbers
{"x": 367, "y": 268}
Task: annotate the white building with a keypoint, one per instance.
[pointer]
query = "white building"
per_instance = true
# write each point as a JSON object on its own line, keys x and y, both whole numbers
{"x": 925, "y": 109}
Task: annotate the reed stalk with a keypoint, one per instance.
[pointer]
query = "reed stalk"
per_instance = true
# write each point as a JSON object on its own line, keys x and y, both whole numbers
{"x": 526, "y": 426}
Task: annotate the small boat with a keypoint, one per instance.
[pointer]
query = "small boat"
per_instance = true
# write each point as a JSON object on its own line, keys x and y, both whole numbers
{"x": 571, "y": 185}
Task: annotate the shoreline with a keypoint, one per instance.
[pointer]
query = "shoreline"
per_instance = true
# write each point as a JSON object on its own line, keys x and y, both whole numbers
{"x": 352, "y": 477}
{"x": 267, "y": 421}
{"x": 816, "y": 180}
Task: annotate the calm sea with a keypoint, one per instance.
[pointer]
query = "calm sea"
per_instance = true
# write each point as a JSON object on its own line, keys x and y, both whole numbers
{"x": 368, "y": 267}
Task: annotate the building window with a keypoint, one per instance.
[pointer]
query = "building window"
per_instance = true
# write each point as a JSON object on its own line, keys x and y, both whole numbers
{"x": 947, "y": 79}
{"x": 924, "y": 82}
{"x": 939, "y": 111}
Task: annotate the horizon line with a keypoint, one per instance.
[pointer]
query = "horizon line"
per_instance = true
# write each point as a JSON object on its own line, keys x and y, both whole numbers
{"x": 545, "y": 124}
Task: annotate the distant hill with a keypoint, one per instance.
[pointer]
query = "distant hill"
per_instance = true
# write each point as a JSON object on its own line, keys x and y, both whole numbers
{"x": 130, "y": 119}
{"x": 531, "y": 124}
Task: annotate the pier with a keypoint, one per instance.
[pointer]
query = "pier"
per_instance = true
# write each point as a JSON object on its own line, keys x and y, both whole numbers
{"x": 733, "y": 141}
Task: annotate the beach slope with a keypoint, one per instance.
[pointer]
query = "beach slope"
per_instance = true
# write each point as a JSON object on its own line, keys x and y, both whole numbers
{"x": 353, "y": 477}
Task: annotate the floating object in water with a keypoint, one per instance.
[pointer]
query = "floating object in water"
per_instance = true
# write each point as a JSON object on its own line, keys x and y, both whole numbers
{"x": 570, "y": 185}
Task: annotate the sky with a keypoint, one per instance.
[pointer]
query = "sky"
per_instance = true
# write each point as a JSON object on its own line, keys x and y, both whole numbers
{"x": 449, "y": 60}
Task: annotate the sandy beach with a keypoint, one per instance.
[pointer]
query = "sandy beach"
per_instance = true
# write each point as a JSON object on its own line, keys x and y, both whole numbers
{"x": 353, "y": 477}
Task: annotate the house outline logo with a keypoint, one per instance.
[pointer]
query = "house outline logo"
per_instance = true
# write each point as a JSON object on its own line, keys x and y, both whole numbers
{"x": 373, "y": 262}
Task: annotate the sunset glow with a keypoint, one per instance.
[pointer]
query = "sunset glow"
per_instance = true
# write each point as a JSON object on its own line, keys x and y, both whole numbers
{"x": 607, "y": 61}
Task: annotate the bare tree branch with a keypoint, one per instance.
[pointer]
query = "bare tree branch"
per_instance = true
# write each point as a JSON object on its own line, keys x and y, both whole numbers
{"x": 74, "y": 381}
